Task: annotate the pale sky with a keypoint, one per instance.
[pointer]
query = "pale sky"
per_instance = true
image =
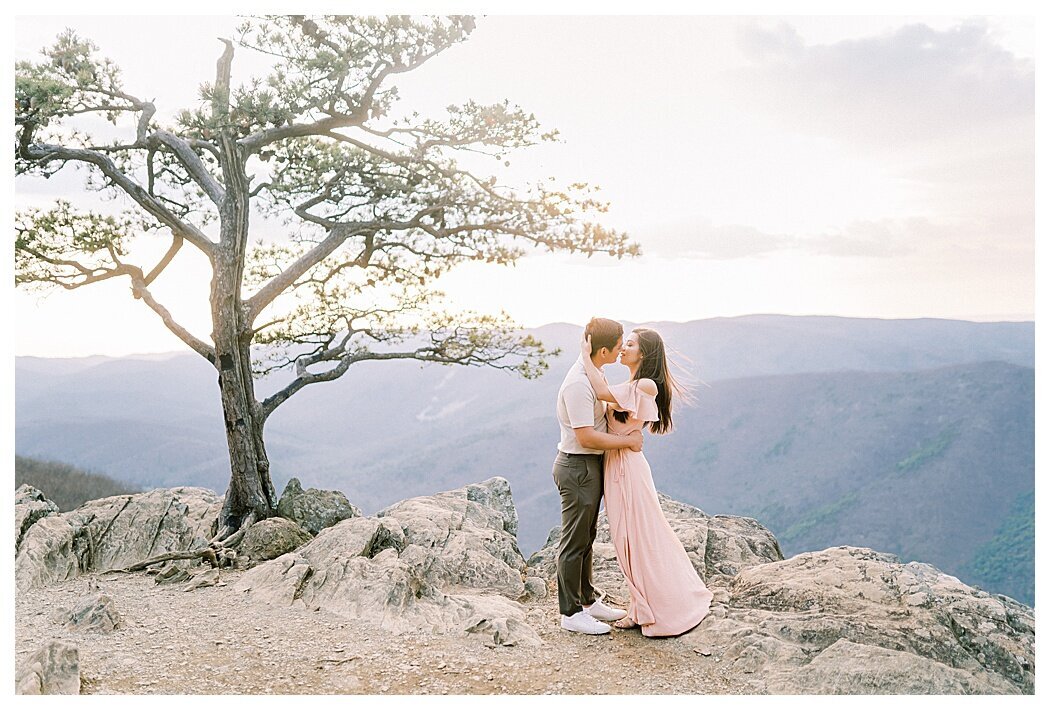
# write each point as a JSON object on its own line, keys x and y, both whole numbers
{"x": 857, "y": 166}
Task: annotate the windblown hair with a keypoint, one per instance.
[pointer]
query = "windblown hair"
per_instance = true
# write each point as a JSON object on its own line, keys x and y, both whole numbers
{"x": 654, "y": 367}
{"x": 604, "y": 334}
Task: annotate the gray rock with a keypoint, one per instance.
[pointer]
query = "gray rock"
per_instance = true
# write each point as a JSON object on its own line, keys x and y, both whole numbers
{"x": 207, "y": 578}
{"x": 469, "y": 531}
{"x": 269, "y": 539}
{"x": 444, "y": 563}
{"x": 718, "y": 546}
{"x": 495, "y": 495}
{"x": 115, "y": 532}
{"x": 847, "y": 668}
{"x": 95, "y": 611}
{"x": 314, "y": 509}
{"x": 171, "y": 573}
{"x": 54, "y": 669}
{"x": 30, "y": 506}
{"x": 536, "y": 588}
{"x": 852, "y": 620}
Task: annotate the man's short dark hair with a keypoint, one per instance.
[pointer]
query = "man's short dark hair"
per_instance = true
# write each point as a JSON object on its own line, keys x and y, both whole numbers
{"x": 604, "y": 334}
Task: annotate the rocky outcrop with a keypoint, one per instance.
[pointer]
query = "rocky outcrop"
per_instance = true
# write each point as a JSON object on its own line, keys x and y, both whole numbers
{"x": 446, "y": 563}
{"x": 114, "y": 532}
{"x": 271, "y": 538}
{"x": 840, "y": 621}
{"x": 314, "y": 509}
{"x": 472, "y": 533}
{"x": 852, "y": 620}
{"x": 95, "y": 611}
{"x": 717, "y": 545}
{"x": 30, "y": 506}
{"x": 53, "y": 670}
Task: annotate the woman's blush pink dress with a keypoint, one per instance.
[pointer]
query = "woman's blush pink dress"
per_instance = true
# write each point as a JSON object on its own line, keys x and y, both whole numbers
{"x": 667, "y": 596}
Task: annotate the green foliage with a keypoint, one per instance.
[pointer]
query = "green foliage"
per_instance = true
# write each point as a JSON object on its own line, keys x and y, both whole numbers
{"x": 774, "y": 516}
{"x": 65, "y": 247}
{"x": 326, "y": 65}
{"x": 72, "y": 80}
{"x": 821, "y": 516}
{"x": 783, "y": 445}
{"x": 68, "y": 486}
{"x": 928, "y": 450}
{"x": 1006, "y": 563}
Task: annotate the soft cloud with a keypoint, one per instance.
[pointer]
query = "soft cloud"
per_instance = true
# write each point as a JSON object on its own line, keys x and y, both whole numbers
{"x": 910, "y": 84}
{"x": 880, "y": 239}
{"x": 703, "y": 240}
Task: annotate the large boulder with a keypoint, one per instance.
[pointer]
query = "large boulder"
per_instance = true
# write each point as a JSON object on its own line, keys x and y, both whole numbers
{"x": 314, "y": 509}
{"x": 719, "y": 546}
{"x": 269, "y": 539}
{"x": 115, "y": 532}
{"x": 30, "y": 506}
{"x": 445, "y": 563}
{"x": 472, "y": 534}
{"x": 53, "y": 670}
{"x": 852, "y": 620}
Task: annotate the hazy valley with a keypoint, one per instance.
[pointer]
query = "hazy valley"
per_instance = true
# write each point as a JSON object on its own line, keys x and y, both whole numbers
{"x": 912, "y": 437}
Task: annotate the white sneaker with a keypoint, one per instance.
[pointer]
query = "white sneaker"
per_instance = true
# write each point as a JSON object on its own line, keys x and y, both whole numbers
{"x": 604, "y": 613}
{"x": 583, "y": 623}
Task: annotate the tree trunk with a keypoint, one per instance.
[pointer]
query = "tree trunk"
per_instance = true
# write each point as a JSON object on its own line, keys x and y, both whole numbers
{"x": 251, "y": 493}
{"x": 251, "y": 490}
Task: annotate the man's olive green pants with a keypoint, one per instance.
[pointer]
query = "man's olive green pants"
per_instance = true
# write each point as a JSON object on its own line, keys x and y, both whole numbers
{"x": 579, "y": 481}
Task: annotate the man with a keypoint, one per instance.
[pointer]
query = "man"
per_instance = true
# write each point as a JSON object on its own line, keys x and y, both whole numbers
{"x": 578, "y": 475}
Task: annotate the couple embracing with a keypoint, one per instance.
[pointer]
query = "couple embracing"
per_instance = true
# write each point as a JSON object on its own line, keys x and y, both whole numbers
{"x": 600, "y": 453}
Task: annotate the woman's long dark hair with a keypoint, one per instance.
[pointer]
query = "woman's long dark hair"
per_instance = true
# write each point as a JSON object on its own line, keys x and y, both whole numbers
{"x": 654, "y": 367}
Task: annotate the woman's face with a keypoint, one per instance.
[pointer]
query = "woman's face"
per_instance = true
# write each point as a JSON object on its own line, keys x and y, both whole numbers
{"x": 630, "y": 354}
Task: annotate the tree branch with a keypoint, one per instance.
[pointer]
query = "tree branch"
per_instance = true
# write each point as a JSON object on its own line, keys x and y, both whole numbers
{"x": 275, "y": 286}
{"x": 193, "y": 164}
{"x": 361, "y": 112}
{"x": 220, "y": 102}
{"x": 44, "y": 153}
{"x": 261, "y": 139}
{"x": 176, "y": 244}
{"x": 424, "y": 354}
{"x": 140, "y": 290}
{"x": 148, "y": 109}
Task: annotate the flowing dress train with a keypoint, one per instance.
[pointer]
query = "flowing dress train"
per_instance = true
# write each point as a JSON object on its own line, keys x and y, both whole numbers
{"x": 667, "y": 596}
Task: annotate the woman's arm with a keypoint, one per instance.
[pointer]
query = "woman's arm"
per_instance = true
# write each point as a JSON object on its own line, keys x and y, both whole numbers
{"x": 598, "y": 383}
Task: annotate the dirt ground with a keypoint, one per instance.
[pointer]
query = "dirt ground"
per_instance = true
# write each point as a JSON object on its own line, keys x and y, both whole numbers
{"x": 213, "y": 641}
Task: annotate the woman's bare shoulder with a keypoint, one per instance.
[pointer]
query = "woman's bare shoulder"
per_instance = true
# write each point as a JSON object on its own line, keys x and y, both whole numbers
{"x": 648, "y": 386}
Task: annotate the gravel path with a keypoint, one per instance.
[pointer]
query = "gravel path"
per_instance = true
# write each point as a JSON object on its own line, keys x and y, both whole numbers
{"x": 213, "y": 641}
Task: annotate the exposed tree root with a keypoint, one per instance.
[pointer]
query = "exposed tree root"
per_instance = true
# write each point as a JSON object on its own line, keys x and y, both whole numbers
{"x": 235, "y": 539}
{"x": 230, "y": 536}
{"x": 206, "y": 553}
{"x": 220, "y": 552}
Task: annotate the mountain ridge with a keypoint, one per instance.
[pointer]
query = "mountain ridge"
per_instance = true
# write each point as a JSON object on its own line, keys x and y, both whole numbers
{"x": 376, "y": 431}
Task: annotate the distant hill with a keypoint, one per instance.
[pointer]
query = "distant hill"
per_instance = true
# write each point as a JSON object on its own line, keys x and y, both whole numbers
{"x": 915, "y": 437}
{"x": 66, "y": 486}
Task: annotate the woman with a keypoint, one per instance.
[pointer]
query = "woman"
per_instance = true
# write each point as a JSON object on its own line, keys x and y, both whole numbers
{"x": 667, "y": 596}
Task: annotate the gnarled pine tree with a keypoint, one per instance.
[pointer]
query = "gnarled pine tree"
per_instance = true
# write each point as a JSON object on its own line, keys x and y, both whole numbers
{"x": 375, "y": 210}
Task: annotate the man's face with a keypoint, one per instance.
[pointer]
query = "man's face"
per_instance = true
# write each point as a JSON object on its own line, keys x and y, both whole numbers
{"x": 609, "y": 356}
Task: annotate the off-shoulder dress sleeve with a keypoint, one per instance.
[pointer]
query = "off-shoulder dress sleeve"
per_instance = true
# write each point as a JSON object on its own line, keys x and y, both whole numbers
{"x": 631, "y": 399}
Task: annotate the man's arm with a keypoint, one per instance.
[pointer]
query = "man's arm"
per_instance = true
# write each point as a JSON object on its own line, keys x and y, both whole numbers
{"x": 594, "y": 375}
{"x": 591, "y": 439}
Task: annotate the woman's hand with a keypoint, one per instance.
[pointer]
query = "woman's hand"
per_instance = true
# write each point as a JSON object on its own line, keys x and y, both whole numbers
{"x": 585, "y": 344}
